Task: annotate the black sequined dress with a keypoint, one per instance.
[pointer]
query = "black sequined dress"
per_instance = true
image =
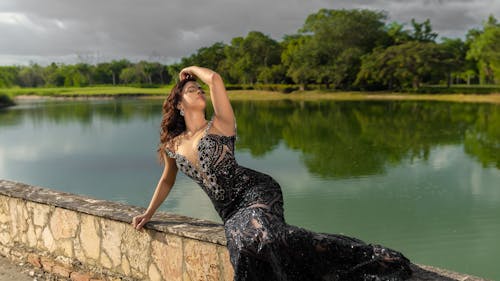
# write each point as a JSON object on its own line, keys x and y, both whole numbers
{"x": 262, "y": 246}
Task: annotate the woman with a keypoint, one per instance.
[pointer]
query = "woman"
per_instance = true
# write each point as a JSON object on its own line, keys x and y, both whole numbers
{"x": 262, "y": 246}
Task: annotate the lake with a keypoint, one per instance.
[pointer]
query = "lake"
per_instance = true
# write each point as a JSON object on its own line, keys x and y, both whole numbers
{"x": 419, "y": 177}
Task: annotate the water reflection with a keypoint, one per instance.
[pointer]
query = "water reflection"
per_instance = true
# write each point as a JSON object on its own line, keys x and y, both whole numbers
{"x": 336, "y": 139}
{"x": 82, "y": 112}
{"x": 352, "y": 139}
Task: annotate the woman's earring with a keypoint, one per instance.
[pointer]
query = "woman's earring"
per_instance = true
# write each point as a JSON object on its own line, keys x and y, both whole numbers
{"x": 182, "y": 112}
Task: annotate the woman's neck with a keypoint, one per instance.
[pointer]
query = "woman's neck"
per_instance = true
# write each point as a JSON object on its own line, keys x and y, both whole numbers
{"x": 194, "y": 122}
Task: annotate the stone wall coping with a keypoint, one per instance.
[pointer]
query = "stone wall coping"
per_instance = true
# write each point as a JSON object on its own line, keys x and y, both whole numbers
{"x": 180, "y": 225}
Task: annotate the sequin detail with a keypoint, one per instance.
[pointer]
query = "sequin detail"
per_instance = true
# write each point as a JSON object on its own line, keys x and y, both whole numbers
{"x": 262, "y": 246}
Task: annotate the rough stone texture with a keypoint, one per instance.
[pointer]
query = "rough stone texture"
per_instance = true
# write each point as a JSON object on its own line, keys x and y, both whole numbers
{"x": 201, "y": 261}
{"x": 428, "y": 273}
{"x": 106, "y": 261}
{"x": 154, "y": 274}
{"x": 40, "y": 213}
{"x": 48, "y": 240}
{"x": 137, "y": 250}
{"x": 32, "y": 237}
{"x": 34, "y": 260}
{"x": 89, "y": 239}
{"x": 61, "y": 271}
{"x": 4, "y": 236}
{"x": 167, "y": 255}
{"x": 65, "y": 247}
{"x": 4, "y": 211}
{"x": 63, "y": 223}
{"x": 225, "y": 263}
{"x": 111, "y": 240}
{"x": 125, "y": 265}
{"x": 73, "y": 237}
{"x": 14, "y": 220}
{"x": 185, "y": 277}
{"x": 80, "y": 276}
{"x": 47, "y": 263}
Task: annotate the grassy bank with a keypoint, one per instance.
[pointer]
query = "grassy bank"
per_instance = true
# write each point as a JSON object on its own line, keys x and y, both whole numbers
{"x": 459, "y": 89}
{"x": 85, "y": 91}
{"x": 109, "y": 91}
{"x": 354, "y": 96}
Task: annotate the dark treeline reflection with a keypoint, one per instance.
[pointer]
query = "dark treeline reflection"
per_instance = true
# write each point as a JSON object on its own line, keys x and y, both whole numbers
{"x": 335, "y": 139}
{"x": 83, "y": 112}
{"x": 348, "y": 139}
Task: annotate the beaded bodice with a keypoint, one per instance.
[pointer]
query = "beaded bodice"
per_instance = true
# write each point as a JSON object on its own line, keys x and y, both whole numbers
{"x": 215, "y": 168}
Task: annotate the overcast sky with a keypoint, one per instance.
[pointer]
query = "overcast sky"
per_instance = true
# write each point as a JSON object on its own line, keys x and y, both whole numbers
{"x": 94, "y": 31}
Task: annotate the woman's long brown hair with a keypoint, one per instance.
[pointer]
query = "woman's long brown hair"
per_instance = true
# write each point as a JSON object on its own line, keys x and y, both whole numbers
{"x": 172, "y": 123}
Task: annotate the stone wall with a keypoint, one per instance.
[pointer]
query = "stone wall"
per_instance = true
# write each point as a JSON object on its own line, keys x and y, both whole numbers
{"x": 74, "y": 237}
{"x": 81, "y": 238}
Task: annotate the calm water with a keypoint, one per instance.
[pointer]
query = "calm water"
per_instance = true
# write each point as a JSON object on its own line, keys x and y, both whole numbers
{"x": 420, "y": 177}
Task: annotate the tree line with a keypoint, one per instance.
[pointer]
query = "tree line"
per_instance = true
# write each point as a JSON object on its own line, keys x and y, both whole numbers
{"x": 116, "y": 72}
{"x": 344, "y": 49}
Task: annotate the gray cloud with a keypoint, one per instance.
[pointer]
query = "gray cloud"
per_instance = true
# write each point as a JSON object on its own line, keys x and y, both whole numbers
{"x": 63, "y": 30}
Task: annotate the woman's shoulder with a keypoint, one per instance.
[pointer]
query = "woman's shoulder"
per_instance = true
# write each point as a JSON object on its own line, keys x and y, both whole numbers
{"x": 170, "y": 146}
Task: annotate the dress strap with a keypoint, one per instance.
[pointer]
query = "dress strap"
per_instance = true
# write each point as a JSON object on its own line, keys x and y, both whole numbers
{"x": 209, "y": 125}
{"x": 170, "y": 153}
{"x": 235, "y": 129}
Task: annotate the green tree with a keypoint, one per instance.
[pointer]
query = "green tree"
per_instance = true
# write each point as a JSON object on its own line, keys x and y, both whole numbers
{"x": 84, "y": 74}
{"x": 485, "y": 49}
{"x": 211, "y": 56}
{"x": 157, "y": 71}
{"x": 102, "y": 73}
{"x": 246, "y": 57}
{"x": 53, "y": 75}
{"x": 8, "y": 76}
{"x": 402, "y": 66}
{"x": 455, "y": 65}
{"x": 336, "y": 43}
{"x": 471, "y": 72}
{"x": 298, "y": 60}
{"x": 397, "y": 34}
{"x": 423, "y": 31}
{"x": 145, "y": 71}
{"x": 116, "y": 67}
{"x": 73, "y": 75}
{"x": 31, "y": 76}
{"x": 273, "y": 74}
{"x": 482, "y": 140}
{"x": 129, "y": 75}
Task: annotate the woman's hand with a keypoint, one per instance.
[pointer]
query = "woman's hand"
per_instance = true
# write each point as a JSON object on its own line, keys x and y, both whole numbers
{"x": 186, "y": 72}
{"x": 139, "y": 221}
{"x": 204, "y": 74}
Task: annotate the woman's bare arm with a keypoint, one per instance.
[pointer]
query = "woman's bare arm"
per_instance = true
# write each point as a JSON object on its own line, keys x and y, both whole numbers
{"x": 224, "y": 114}
{"x": 163, "y": 188}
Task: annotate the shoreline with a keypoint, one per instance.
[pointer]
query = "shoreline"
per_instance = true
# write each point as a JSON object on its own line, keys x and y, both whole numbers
{"x": 309, "y": 95}
{"x": 361, "y": 96}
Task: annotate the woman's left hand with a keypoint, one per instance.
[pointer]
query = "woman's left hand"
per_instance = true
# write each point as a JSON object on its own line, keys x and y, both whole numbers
{"x": 186, "y": 72}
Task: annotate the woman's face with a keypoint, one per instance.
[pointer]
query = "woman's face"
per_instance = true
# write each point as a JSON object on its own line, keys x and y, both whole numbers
{"x": 193, "y": 97}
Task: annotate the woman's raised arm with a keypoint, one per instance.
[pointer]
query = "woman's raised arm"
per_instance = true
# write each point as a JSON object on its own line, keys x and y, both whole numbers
{"x": 224, "y": 113}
